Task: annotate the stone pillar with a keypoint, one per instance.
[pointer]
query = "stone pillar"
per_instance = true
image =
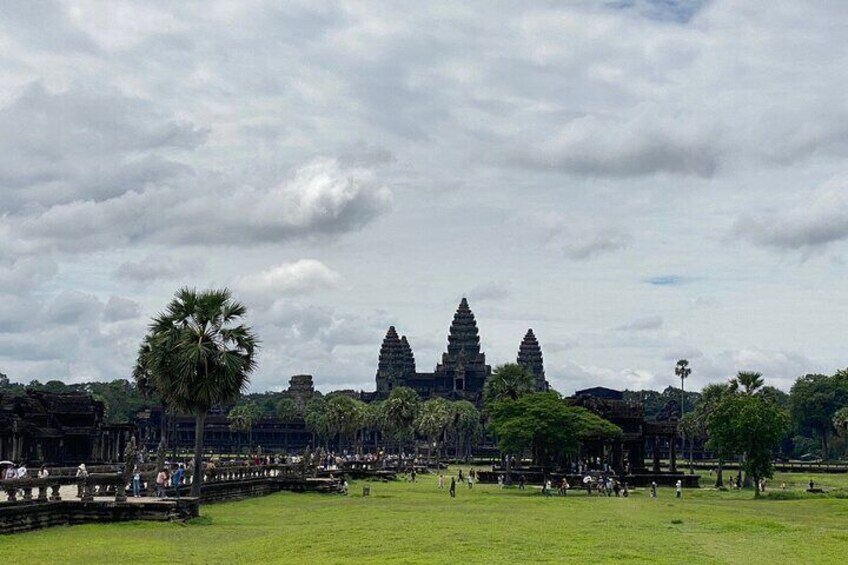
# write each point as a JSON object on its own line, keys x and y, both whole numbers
{"x": 656, "y": 454}
{"x": 672, "y": 446}
{"x": 55, "y": 496}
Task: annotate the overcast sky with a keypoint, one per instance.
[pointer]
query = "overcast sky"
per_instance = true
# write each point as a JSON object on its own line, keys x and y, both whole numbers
{"x": 636, "y": 180}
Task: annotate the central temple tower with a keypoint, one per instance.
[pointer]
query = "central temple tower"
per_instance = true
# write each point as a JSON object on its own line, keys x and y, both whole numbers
{"x": 463, "y": 366}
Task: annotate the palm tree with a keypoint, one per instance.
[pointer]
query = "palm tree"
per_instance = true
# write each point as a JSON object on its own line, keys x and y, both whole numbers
{"x": 748, "y": 381}
{"x": 466, "y": 427}
{"x": 286, "y": 411}
{"x": 508, "y": 381}
{"x": 433, "y": 418}
{"x": 344, "y": 416}
{"x": 242, "y": 418}
{"x": 200, "y": 355}
{"x": 400, "y": 410}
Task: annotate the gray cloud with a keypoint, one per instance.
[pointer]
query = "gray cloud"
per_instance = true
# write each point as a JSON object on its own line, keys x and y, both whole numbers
{"x": 118, "y": 309}
{"x": 490, "y": 290}
{"x": 85, "y": 144}
{"x": 158, "y": 266}
{"x": 589, "y": 245}
{"x": 641, "y": 324}
{"x": 811, "y": 224}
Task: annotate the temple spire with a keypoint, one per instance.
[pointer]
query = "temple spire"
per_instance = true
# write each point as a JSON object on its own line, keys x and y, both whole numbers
{"x": 530, "y": 357}
{"x": 391, "y": 365}
{"x": 463, "y": 335}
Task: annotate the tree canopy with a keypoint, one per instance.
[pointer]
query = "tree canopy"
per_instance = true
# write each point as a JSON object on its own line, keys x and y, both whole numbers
{"x": 749, "y": 423}
{"x": 545, "y": 424}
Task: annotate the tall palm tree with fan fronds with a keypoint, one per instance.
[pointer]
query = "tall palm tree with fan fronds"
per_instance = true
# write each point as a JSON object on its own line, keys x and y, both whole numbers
{"x": 199, "y": 354}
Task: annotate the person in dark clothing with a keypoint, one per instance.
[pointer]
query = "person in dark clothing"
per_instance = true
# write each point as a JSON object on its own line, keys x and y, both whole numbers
{"x": 452, "y": 489}
{"x": 521, "y": 481}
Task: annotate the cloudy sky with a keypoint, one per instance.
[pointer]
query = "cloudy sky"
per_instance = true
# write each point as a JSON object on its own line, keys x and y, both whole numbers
{"x": 637, "y": 180}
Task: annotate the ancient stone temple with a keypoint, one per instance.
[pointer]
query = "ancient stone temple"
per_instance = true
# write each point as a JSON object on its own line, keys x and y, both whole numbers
{"x": 58, "y": 428}
{"x": 530, "y": 357}
{"x": 461, "y": 374}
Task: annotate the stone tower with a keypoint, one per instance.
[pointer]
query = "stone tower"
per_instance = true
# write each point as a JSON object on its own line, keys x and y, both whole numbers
{"x": 530, "y": 357}
{"x": 395, "y": 362}
{"x": 463, "y": 362}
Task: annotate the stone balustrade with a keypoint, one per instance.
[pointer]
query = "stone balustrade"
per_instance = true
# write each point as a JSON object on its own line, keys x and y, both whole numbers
{"x": 108, "y": 482}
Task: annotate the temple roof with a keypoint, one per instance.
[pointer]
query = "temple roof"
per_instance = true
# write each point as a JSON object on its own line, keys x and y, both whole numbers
{"x": 530, "y": 357}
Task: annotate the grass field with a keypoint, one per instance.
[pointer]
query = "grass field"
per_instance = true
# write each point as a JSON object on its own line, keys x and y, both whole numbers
{"x": 416, "y": 523}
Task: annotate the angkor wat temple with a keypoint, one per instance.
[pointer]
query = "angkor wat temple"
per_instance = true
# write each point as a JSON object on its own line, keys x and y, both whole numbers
{"x": 462, "y": 372}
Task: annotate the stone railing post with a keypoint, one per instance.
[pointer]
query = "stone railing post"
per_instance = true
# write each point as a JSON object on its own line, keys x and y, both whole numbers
{"x": 11, "y": 492}
{"x": 42, "y": 491}
{"x": 27, "y": 493}
{"x": 121, "y": 492}
{"x": 55, "y": 497}
{"x": 85, "y": 489}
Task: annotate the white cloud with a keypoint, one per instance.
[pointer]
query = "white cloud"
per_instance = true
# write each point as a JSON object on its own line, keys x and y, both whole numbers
{"x": 299, "y": 277}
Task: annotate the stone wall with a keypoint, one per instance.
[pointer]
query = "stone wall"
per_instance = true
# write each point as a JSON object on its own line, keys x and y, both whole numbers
{"x": 22, "y": 517}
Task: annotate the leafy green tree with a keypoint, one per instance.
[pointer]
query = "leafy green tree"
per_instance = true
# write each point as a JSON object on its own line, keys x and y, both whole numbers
{"x": 814, "y": 402}
{"x": 199, "y": 354}
{"x": 243, "y": 417}
{"x": 400, "y": 410}
{"x": 545, "y": 424}
{"x": 840, "y": 423}
{"x": 750, "y": 424}
{"x": 508, "y": 381}
{"x": 431, "y": 422}
{"x": 711, "y": 396}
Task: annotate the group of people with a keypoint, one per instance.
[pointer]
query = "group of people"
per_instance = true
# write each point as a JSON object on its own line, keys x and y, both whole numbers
{"x": 20, "y": 471}
{"x": 165, "y": 476}
{"x": 469, "y": 479}
{"x": 605, "y": 485}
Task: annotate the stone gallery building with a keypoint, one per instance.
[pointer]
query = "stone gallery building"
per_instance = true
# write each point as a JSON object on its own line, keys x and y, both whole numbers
{"x": 58, "y": 429}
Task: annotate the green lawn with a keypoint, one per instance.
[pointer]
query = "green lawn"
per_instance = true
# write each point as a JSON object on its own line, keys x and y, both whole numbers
{"x": 416, "y": 523}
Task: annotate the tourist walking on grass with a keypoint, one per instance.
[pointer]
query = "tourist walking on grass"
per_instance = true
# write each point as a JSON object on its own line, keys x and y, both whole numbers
{"x": 452, "y": 489}
{"x": 441, "y": 480}
{"x": 470, "y": 481}
{"x": 522, "y": 480}
{"x": 678, "y": 488}
{"x": 653, "y": 489}
{"x": 500, "y": 481}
